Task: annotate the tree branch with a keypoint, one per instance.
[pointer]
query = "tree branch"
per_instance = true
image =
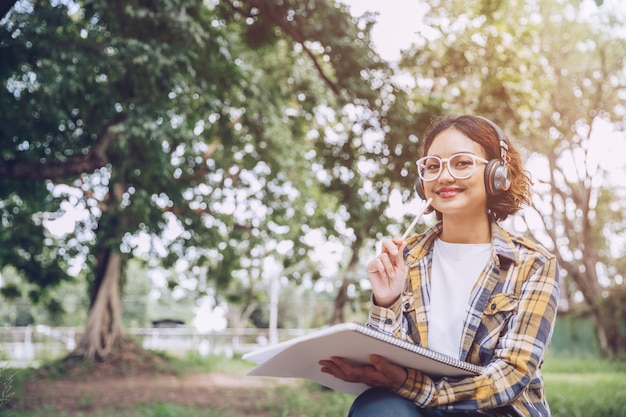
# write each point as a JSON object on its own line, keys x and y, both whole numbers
{"x": 265, "y": 8}
{"x": 72, "y": 167}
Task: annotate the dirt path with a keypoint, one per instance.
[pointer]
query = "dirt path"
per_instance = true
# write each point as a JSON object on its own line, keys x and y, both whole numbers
{"x": 116, "y": 393}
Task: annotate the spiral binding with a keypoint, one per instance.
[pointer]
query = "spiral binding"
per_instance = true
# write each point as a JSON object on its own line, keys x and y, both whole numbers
{"x": 436, "y": 356}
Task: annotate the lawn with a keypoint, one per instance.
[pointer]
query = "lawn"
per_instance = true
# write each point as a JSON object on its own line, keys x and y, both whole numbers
{"x": 575, "y": 387}
{"x": 586, "y": 387}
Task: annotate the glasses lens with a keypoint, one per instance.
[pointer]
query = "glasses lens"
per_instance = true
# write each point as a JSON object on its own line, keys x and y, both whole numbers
{"x": 462, "y": 166}
{"x": 429, "y": 168}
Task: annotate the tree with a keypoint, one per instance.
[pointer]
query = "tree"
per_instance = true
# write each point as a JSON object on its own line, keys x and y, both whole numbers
{"x": 512, "y": 62}
{"x": 582, "y": 208}
{"x": 366, "y": 151}
{"x": 165, "y": 117}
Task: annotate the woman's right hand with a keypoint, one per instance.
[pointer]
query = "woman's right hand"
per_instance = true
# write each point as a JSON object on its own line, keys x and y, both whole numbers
{"x": 387, "y": 272}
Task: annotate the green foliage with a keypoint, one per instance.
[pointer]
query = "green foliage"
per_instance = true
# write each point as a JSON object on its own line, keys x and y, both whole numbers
{"x": 63, "y": 305}
{"x": 6, "y": 388}
{"x": 10, "y": 291}
{"x": 149, "y": 117}
{"x": 549, "y": 90}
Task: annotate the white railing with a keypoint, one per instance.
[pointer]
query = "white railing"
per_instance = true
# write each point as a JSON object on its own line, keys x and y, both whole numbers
{"x": 30, "y": 346}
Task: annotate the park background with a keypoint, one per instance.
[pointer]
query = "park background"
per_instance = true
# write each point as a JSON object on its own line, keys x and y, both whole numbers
{"x": 228, "y": 166}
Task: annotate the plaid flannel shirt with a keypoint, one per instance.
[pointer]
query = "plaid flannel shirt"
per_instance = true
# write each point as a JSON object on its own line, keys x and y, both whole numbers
{"x": 510, "y": 319}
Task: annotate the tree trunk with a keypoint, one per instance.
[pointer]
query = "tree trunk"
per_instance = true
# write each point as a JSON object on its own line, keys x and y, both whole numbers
{"x": 579, "y": 233}
{"x": 104, "y": 330}
{"x": 611, "y": 338}
{"x": 342, "y": 295}
{"x": 104, "y": 324}
{"x": 340, "y": 301}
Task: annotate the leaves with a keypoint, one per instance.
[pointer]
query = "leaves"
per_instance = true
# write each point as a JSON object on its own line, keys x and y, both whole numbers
{"x": 187, "y": 124}
{"x": 551, "y": 89}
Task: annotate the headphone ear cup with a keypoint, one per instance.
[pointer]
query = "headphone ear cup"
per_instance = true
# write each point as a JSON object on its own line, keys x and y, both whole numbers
{"x": 419, "y": 188}
{"x": 497, "y": 177}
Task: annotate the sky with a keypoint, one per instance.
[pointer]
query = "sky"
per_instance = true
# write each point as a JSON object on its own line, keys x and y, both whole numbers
{"x": 395, "y": 26}
{"x": 399, "y": 20}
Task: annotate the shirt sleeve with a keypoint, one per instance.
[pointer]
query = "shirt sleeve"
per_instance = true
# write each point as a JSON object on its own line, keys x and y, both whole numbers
{"x": 516, "y": 357}
{"x": 386, "y": 319}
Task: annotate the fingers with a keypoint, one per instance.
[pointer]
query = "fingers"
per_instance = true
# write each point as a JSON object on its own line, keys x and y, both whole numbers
{"x": 395, "y": 375}
{"x": 387, "y": 272}
{"x": 341, "y": 369}
{"x": 381, "y": 373}
{"x": 393, "y": 250}
{"x": 391, "y": 247}
{"x": 390, "y": 258}
{"x": 381, "y": 266}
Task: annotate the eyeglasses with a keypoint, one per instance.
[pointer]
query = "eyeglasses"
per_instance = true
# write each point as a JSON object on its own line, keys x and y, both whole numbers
{"x": 461, "y": 166}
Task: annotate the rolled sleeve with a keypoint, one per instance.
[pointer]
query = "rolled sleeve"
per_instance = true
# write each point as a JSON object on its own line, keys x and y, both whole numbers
{"x": 387, "y": 320}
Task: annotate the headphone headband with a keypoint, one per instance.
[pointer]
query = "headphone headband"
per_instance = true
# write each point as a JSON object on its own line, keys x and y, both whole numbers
{"x": 504, "y": 144}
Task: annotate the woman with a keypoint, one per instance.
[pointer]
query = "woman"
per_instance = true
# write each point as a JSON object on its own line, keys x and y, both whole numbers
{"x": 465, "y": 287}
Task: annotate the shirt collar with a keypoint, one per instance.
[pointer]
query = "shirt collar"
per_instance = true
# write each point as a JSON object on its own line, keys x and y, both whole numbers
{"x": 418, "y": 246}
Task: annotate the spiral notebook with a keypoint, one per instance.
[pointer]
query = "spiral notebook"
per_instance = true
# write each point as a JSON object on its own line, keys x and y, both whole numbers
{"x": 299, "y": 357}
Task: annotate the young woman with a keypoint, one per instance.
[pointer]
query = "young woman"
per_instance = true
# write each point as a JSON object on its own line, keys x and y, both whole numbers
{"x": 465, "y": 287}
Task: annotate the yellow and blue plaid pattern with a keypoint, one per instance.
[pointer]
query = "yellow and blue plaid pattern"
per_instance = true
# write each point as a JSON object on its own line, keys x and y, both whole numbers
{"x": 510, "y": 320}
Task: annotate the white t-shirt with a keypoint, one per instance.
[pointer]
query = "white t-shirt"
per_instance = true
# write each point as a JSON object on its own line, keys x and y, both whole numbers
{"x": 455, "y": 269}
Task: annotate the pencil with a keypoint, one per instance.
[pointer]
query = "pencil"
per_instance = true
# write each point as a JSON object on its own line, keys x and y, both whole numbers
{"x": 416, "y": 219}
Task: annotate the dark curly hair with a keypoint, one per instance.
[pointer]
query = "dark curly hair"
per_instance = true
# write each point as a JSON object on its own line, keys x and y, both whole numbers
{"x": 480, "y": 131}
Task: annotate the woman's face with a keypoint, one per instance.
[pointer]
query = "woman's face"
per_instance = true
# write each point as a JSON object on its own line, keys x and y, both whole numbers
{"x": 452, "y": 196}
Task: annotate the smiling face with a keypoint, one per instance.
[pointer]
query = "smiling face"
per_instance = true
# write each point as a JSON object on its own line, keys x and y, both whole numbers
{"x": 451, "y": 196}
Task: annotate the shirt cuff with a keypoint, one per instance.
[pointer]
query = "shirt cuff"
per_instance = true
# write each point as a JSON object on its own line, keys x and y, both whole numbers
{"x": 417, "y": 388}
{"x": 385, "y": 319}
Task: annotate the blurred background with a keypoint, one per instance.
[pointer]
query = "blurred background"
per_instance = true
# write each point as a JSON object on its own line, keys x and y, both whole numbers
{"x": 214, "y": 176}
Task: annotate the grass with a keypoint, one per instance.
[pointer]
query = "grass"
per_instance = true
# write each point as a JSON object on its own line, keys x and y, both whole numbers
{"x": 576, "y": 387}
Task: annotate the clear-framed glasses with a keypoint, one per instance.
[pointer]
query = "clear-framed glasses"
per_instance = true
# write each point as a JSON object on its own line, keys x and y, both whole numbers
{"x": 460, "y": 165}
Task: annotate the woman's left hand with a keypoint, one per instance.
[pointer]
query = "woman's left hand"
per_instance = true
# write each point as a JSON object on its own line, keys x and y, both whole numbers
{"x": 380, "y": 373}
